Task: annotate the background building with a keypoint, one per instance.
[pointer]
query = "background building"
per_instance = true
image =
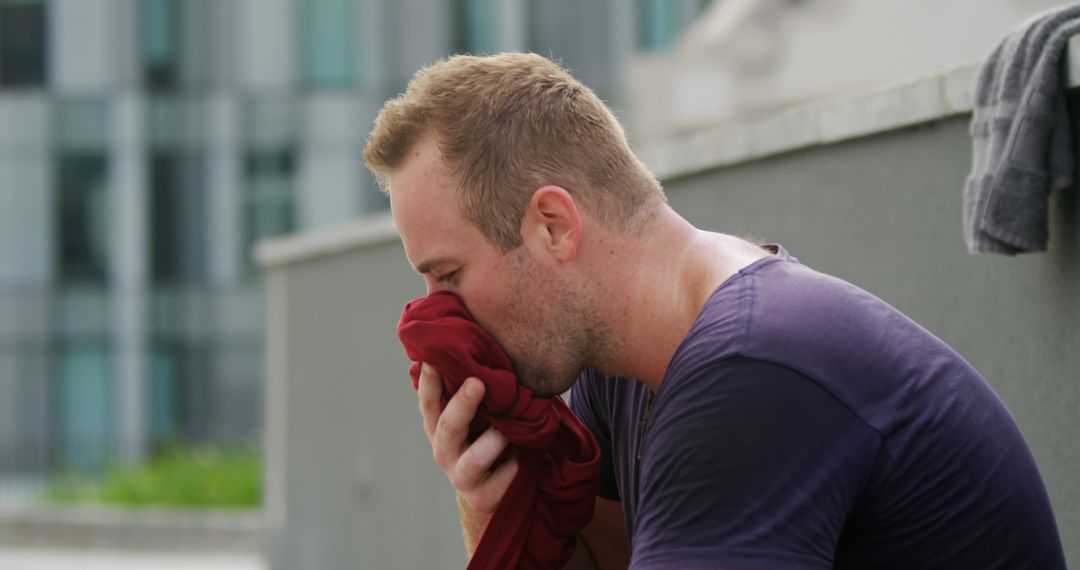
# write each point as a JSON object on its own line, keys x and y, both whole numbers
{"x": 743, "y": 58}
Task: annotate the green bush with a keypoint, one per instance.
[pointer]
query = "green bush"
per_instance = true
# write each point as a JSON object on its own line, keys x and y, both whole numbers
{"x": 177, "y": 477}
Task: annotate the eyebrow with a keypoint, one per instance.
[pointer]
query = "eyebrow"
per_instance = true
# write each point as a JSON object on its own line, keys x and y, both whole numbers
{"x": 431, "y": 264}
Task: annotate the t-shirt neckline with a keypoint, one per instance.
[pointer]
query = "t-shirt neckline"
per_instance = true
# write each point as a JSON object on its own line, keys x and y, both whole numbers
{"x": 778, "y": 254}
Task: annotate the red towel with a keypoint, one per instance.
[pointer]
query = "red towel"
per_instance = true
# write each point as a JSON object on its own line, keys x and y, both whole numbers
{"x": 553, "y": 494}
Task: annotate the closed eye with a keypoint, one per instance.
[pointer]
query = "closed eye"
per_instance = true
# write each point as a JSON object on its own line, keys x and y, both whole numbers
{"x": 448, "y": 277}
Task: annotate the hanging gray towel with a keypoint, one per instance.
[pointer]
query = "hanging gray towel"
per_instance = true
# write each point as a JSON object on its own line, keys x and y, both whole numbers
{"x": 1022, "y": 142}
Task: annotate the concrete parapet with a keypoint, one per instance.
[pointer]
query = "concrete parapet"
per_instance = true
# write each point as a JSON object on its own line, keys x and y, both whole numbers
{"x": 114, "y": 528}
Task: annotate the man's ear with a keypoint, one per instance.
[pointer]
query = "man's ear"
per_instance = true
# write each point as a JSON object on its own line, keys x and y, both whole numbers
{"x": 552, "y": 223}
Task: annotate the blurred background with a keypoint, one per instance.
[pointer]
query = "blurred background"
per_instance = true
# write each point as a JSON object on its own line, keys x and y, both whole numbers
{"x": 146, "y": 147}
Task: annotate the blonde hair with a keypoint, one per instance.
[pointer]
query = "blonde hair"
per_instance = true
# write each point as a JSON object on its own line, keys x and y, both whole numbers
{"x": 507, "y": 125}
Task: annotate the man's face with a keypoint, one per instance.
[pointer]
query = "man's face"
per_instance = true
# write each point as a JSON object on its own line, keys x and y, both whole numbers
{"x": 522, "y": 299}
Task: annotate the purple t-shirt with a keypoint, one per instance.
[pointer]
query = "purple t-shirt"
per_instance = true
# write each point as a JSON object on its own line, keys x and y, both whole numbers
{"x": 804, "y": 423}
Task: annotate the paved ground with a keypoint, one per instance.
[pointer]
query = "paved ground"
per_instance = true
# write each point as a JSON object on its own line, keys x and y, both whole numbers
{"x": 20, "y": 559}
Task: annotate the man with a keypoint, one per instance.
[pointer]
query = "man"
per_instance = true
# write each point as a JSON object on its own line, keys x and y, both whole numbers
{"x": 752, "y": 413}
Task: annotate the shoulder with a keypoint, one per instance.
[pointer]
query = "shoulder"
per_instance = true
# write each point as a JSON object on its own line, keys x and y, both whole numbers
{"x": 793, "y": 301}
{"x": 833, "y": 331}
{"x": 776, "y": 305}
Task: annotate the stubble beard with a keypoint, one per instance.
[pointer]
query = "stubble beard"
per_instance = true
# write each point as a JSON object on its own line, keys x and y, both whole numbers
{"x": 557, "y": 331}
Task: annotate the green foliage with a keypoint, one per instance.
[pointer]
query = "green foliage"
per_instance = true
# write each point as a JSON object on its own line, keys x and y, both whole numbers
{"x": 177, "y": 477}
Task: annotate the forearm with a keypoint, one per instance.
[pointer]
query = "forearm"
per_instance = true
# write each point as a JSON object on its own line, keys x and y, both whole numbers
{"x": 472, "y": 528}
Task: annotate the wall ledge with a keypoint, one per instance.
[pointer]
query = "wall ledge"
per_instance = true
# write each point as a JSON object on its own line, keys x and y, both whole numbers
{"x": 822, "y": 121}
{"x": 364, "y": 232}
{"x": 124, "y": 528}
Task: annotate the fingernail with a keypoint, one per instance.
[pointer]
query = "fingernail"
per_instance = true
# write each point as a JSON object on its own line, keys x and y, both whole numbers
{"x": 424, "y": 369}
{"x": 470, "y": 390}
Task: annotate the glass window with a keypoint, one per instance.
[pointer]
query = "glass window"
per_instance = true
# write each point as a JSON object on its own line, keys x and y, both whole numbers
{"x": 197, "y": 393}
{"x": 474, "y": 26}
{"x": 28, "y": 421}
{"x": 85, "y": 396}
{"x": 177, "y": 220}
{"x": 657, "y": 24}
{"x": 159, "y": 43}
{"x": 270, "y": 121}
{"x": 81, "y": 124}
{"x": 22, "y": 43}
{"x": 164, "y": 202}
{"x": 328, "y": 41}
{"x": 162, "y": 408}
{"x": 269, "y": 201}
{"x": 661, "y": 21}
{"x": 81, "y": 219}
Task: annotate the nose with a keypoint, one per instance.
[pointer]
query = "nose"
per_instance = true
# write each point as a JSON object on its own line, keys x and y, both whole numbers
{"x": 433, "y": 285}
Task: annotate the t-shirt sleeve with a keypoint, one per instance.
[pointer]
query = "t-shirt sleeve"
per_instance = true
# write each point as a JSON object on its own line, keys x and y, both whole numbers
{"x": 587, "y": 402}
{"x": 748, "y": 464}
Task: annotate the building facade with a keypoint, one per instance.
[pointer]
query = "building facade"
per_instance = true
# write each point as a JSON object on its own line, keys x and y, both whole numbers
{"x": 746, "y": 58}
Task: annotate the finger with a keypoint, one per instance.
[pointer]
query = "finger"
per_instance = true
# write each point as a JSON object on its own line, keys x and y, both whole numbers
{"x": 475, "y": 463}
{"x": 430, "y": 391}
{"x": 486, "y": 497}
{"x": 452, "y": 427}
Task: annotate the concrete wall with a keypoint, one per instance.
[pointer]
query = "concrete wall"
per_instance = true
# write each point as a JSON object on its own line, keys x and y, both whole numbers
{"x": 350, "y": 479}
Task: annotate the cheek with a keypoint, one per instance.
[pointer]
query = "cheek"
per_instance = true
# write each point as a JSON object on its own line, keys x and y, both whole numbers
{"x": 491, "y": 305}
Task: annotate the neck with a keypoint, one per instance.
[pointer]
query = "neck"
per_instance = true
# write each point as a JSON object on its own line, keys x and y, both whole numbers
{"x": 652, "y": 289}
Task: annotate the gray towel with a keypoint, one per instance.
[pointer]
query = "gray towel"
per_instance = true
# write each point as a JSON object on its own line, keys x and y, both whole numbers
{"x": 1022, "y": 143}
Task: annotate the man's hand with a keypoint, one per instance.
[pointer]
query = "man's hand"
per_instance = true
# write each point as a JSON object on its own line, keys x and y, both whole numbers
{"x": 470, "y": 467}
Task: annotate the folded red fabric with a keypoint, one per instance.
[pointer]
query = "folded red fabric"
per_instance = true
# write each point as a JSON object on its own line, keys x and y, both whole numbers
{"x": 553, "y": 494}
